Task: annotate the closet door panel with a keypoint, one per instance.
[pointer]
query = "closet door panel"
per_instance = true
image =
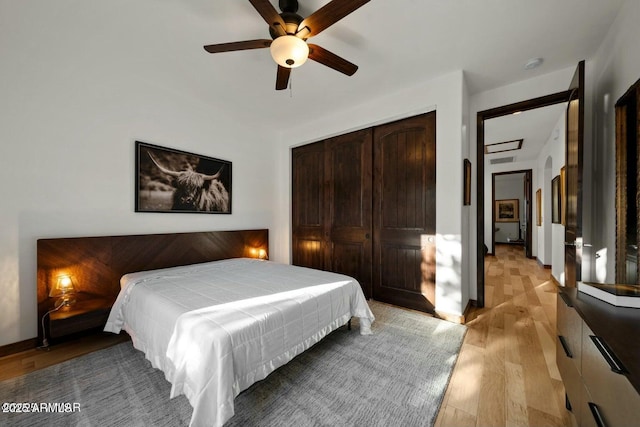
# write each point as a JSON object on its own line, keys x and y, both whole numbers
{"x": 308, "y": 206}
{"x": 349, "y": 201}
{"x": 404, "y": 212}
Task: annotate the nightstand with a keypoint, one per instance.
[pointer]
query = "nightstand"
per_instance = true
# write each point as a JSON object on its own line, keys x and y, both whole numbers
{"x": 90, "y": 312}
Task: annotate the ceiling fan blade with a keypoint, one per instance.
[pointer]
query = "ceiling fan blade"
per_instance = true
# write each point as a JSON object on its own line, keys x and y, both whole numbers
{"x": 329, "y": 14}
{"x": 282, "y": 78}
{"x": 269, "y": 14}
{"x": 228, "y": 47}
{"x": 331, "y": 60}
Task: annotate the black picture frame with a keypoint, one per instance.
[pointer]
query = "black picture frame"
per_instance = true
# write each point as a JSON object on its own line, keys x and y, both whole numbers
{"x": 176, "y": 181}
{"x": 556, "y": 201}
{"x": 539, "y": 207}
{"x": 467, "y": 183}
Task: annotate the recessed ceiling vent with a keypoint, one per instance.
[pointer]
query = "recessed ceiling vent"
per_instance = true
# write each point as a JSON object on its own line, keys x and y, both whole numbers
{"x": 501, "y": 160}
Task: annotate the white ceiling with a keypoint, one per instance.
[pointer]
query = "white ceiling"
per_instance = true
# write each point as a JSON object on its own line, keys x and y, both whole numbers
{"x": 395, "y": 43}
{"x": 534, "y": 127}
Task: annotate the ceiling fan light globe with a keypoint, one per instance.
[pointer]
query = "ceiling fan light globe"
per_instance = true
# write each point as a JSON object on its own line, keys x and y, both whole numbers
{"x": 289, "y": 51}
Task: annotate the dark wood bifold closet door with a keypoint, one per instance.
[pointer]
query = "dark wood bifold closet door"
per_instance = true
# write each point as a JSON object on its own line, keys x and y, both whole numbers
{"x": 364, "y": 205}
{"x": 404, "y": 213}
{"x": 332, "y": 206}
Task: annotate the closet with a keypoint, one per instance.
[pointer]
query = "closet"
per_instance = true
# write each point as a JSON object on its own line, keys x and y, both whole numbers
{"x": 363, "y": 204}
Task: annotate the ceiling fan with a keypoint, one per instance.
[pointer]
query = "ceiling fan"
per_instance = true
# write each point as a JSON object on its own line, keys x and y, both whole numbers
{"x": 289, "y": 33}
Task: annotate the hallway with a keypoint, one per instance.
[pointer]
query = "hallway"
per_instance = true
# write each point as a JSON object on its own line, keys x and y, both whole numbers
{"x": 506, "y": 373}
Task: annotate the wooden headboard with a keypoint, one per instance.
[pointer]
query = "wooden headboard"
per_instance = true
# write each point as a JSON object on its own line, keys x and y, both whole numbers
{"x": 97, "y": 263}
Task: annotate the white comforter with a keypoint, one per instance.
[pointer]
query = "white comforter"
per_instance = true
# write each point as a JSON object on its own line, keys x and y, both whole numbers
{"x": 216, "y": 328}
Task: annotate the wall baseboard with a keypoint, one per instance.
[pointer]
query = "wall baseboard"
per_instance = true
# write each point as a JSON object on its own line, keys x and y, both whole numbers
{"x": 546, "y": 266}
{"x": 17, "y": 347}
{"x": 470, "y": 306}
{"x": 456, "y": 318}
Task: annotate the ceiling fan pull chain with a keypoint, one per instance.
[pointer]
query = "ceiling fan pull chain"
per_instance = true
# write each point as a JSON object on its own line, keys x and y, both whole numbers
{"x": 290, "y": 87}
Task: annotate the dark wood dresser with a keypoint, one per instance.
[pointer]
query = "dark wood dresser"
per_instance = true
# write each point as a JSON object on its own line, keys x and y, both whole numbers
{"x": 598, "y": 356}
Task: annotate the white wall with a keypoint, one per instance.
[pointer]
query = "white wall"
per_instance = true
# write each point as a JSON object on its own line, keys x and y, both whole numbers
{"x": 446, "y": 95}
{"x": 616, "y": 68}
{"x": 544, "y": 231}
{"x": 468, "y": 219}
{"x": 71, "y": 110}
{"x": 551, "y": 236}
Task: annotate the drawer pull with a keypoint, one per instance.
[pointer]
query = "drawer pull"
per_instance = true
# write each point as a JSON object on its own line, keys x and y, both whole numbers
{"x": 566, "y": 299}
{"x": 565, "y": 347}
{"x": 596, "y": 415}
{"x": 607, "y": 354}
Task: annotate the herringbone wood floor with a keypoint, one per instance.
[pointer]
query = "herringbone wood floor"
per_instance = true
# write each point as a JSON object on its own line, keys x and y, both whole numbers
{"x": 506, "y": 374}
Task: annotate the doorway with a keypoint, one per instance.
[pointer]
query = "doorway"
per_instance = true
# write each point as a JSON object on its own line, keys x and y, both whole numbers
{"x": 482, "y": 116}
{"x": 512, "y": 189}
{"x": 572, "y": 197}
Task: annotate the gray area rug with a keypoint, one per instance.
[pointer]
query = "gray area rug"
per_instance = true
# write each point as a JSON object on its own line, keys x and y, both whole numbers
{"x": 395, "y": 377}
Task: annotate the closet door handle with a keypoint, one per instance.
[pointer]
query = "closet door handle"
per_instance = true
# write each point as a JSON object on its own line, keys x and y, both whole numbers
{"x": 607, "y": 354}
{"x": 565, "y": 347}
{"x": 596, "y": 415}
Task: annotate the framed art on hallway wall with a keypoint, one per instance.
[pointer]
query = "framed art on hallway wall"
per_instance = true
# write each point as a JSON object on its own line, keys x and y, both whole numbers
{"x": 539, "y": 207}
{"x": 467, "y": 183}
{"x": 507, "y": 210}
{"x": 556, "y": 201}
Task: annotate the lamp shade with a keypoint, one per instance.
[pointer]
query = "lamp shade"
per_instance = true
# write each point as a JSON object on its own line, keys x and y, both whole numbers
{"x": 289, "y": 51}
{"x": 63, "y": 286}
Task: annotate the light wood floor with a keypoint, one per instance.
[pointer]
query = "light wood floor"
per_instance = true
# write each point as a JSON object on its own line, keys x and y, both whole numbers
{"x": 506, "y": 374}
{"x": 31, "y": 360}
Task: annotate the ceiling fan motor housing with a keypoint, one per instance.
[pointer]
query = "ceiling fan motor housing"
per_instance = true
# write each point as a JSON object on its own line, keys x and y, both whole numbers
{"x": 288, "y": 5}
{"x": 291, "y": 20}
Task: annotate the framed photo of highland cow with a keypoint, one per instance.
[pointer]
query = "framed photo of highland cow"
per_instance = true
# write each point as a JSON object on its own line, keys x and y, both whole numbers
{"x": 170, "y": 180}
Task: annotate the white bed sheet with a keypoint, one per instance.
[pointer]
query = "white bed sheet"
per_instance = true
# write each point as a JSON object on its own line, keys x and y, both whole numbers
{"x": 216, "y": 328}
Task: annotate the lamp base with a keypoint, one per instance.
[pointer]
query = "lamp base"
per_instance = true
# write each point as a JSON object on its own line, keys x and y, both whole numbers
{"x": 65, "y": 301}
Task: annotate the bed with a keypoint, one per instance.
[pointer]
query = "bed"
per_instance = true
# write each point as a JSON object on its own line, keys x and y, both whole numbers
{"x": 200, "y": 306}
{"x": 216, "y": 328}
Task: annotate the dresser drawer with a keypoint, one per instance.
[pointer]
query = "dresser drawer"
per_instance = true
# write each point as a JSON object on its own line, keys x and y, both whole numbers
{"x": 616, "y": 400}
{"x": 587, "y": 416}
{"x": 571, "y": 379}
{"x": 569, "y": 326}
